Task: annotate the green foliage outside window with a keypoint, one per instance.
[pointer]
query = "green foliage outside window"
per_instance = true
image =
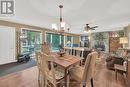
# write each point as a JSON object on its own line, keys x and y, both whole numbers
{"x": 48, "y": 38}
{"x": 55, "y": 40}
{"x": 33, "y": 41}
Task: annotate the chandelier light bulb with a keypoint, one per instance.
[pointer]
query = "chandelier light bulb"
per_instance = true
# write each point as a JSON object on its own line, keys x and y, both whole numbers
{"x": 63, "y": 25}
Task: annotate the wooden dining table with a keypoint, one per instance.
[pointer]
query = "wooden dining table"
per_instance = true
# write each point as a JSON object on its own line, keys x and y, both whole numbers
{"x": 66, "y": 61}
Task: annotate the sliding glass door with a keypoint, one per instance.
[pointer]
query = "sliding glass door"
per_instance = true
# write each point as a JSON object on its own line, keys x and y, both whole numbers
{"x": 32, "y": 42}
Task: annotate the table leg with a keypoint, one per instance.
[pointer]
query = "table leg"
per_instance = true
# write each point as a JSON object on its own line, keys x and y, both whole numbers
{"x": 116, "y": 74}
{"x": 65, "y": 77}
{"x": 92, "y": 85}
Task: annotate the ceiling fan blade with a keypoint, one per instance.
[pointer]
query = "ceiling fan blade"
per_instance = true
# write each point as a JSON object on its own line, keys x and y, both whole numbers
{"x": 92, "y": 29}
{"x": 95, "y": 27}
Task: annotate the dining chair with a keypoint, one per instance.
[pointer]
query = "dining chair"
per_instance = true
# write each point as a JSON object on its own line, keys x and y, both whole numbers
{"x": 41, "y": 79}
{"x": 46, "y": 48}
{"x": 46, "y": 51}
{"x": 52, "y": 76}
{"x": 68, "y": 51}
{"x": 39, "y": 57}
{"x": 85, "y": 74}
{"x": 79, "y": 53}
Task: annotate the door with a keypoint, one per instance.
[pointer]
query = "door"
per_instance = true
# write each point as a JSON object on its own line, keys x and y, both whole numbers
{"x": 7, "y": 45}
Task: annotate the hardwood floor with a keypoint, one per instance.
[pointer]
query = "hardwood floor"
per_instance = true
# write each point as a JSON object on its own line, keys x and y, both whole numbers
{"x": 28, "y": 78}
{"x": 25, "y": 78}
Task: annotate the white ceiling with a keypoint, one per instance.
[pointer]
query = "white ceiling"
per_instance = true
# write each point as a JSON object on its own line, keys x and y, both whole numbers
{"x": 109, "y": 15}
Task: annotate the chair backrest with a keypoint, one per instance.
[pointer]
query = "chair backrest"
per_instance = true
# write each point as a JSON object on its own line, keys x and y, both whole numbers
{"x": 48, "y": 68}
{"x": 68, "y": 51}
{"x": 79, "y": 52}
{"x": 90, "y": 65}
{"x": 46, "y": 48}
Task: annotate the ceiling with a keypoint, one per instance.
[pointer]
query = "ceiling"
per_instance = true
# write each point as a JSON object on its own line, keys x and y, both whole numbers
{"x": 109, "y": 15}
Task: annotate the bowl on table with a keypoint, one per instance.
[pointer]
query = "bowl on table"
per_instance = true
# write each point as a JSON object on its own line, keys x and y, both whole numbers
{"x": 61, "y": 54}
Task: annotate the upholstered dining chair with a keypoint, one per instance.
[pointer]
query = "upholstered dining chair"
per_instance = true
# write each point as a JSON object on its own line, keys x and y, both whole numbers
{"x": 52, "y": 76}
{"x": 85, "y": 74}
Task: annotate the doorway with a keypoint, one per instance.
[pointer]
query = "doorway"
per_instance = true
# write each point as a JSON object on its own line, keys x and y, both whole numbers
{"x": 7, "y": 45}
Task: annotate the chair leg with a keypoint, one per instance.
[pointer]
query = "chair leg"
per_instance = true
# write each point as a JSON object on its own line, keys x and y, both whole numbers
{"x": 80, "y": 63}
{"x": 39, "y": 79}
{"x": 92, "y": 85}
{"x": 84, "y": 84}
{"x": 45, "y": 84}
{"x": 42, "y": 81}
{"x": 39, "y": 84}
{"x": 38, "y": 75}
{"x": 116, "y": 74}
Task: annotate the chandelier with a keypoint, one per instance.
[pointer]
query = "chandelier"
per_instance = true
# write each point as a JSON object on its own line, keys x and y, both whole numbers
{"x": 62, "y": 24}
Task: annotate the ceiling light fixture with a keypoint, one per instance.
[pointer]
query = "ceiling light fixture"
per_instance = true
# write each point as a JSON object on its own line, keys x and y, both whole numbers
{"x": 62, "y": 26}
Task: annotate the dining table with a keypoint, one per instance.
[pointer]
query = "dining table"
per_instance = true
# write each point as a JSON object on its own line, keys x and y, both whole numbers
{"x": 67, "y": 62}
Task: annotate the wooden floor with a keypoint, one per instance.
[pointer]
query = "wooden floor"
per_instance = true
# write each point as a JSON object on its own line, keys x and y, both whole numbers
{"x": 28, "y": 78}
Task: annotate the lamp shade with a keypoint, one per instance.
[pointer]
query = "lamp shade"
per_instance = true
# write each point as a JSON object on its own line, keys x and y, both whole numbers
{"x": 123, "y": 40}
{"x": 54, "y": 26}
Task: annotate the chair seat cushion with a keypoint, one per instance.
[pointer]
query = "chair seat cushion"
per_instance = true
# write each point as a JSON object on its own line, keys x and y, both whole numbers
{"x": 59, "y": 74}
{"x": 77, "y": 73}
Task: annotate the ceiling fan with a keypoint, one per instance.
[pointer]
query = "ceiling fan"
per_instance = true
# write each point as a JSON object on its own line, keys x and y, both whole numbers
{"x": 87, "y": 28}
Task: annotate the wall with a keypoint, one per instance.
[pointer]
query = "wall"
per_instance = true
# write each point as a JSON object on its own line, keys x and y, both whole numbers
{"x": 76, "y": 39}
{"x": 102, "y": 39}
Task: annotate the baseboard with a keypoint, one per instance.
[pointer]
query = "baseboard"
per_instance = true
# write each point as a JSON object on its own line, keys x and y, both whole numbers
{"x": 8, "y": 62}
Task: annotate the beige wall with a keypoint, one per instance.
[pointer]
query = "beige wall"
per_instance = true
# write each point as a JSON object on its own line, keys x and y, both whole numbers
{"x": 76, "y": 39}
{"x": 18, "y": 27}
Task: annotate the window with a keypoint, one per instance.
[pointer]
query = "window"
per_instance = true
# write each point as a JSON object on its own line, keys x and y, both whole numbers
{"x": 56, "y": 40}
{"x": 69, "y": 38}
{"x": 48, "y": 38}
